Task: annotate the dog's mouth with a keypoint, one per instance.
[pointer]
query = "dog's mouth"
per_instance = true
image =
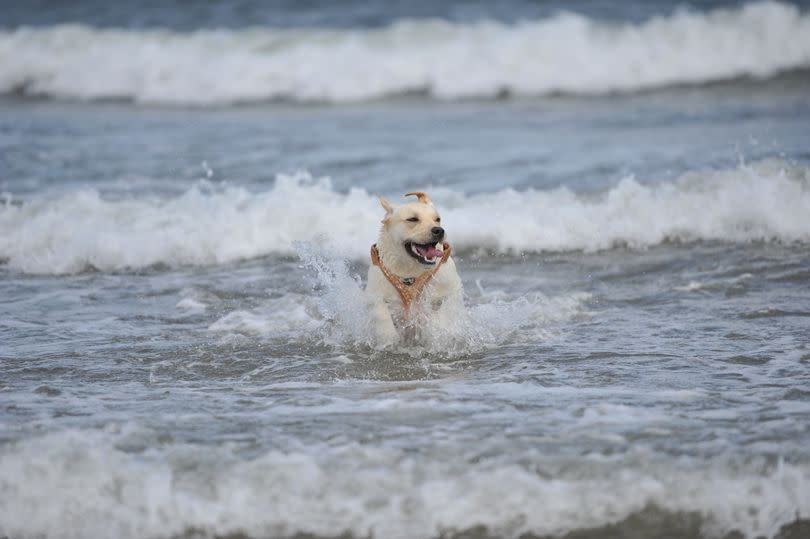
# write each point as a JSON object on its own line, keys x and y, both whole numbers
{"x": 426, "y": 253}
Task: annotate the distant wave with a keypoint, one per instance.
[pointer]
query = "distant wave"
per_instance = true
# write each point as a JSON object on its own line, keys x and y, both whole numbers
{"x": 768, "y": 200}
{"x": 566, "y": 53}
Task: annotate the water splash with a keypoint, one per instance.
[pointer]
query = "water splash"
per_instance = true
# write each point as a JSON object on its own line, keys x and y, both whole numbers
{"x": 454, "y": 329}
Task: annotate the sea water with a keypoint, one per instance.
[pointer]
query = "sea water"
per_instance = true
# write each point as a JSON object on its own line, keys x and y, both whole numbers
{"x": 188, "y": 201}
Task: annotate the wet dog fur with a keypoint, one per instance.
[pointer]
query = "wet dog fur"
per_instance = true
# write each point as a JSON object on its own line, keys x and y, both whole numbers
{"x": 410, "y": 244}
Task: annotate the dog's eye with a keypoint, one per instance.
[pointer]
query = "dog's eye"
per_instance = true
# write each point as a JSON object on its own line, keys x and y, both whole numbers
{"x": 438, "y": 219}
{"x": 413, "y": 219}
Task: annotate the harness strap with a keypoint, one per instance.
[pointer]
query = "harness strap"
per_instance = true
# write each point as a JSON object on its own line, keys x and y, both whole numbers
{"x": 409, "y": 291}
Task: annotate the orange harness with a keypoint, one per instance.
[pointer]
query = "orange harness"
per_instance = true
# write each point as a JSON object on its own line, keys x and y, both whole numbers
{"x": 409, "y": 289}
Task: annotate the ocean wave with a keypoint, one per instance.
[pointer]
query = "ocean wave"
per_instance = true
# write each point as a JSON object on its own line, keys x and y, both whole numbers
{"x": 764, "y": 201}
{"x": 86, "y": 484}
{"x": 566, "y": 53}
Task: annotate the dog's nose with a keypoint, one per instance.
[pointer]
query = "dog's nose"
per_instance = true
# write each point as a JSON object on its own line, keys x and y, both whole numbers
{"x": 438, "y": 232}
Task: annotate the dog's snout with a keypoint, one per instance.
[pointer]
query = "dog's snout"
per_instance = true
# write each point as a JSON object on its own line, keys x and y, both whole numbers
{"x": 438, "y": 232}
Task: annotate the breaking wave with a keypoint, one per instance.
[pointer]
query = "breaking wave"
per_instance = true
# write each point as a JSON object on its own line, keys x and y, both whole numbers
{"x": 765, "y": 201}
{"x": 87, "y": 484}
{"x": 566, "y": 53}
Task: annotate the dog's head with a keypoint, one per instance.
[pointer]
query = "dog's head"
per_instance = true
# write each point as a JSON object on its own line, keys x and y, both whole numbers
{"x": 412, "y": 233}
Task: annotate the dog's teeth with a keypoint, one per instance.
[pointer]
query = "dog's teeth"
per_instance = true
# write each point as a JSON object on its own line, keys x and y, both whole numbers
{"x": 439, "y": 246}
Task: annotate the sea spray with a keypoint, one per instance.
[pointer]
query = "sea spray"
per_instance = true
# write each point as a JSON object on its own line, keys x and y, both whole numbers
{"x": 342, "y": 300}
{"x": 347, "y": 307}
{"x": 338, "y": 313}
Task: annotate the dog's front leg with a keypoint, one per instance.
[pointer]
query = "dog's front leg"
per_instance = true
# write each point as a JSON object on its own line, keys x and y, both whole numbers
{"x": 385, "y": 331}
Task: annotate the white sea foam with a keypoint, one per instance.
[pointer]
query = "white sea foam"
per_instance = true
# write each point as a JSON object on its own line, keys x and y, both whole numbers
{"x": 768, "y": 200}
{"x": 292, "y": 315}
{"x": 565, "y": 53}
{"x": 191, "y": 305}
{"x": 83, "y": 484}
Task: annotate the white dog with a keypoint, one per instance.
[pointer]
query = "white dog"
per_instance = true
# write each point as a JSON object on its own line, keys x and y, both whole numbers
{"x": 411, "y": 268}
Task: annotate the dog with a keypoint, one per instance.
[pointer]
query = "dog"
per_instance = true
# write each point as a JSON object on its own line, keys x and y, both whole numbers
{"x": 411, "y": 269}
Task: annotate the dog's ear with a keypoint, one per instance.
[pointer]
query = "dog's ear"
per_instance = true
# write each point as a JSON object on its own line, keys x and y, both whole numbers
{"x": 422, "y": 196}
{"x": 389, "y": 209}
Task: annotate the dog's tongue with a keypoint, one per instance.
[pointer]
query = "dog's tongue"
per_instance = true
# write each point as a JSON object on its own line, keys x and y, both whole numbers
{"x": 430, "y": 251}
